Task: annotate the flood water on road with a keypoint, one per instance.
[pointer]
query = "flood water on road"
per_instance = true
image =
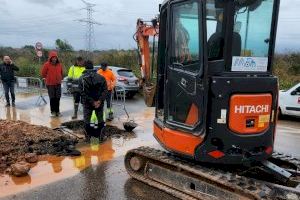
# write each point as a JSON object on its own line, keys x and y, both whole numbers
{"x": 51, "y": 168}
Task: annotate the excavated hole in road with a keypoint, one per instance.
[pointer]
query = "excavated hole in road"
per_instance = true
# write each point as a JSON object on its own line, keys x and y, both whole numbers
{"x": 20, "y": 140}
{"x": 77, "y": 126}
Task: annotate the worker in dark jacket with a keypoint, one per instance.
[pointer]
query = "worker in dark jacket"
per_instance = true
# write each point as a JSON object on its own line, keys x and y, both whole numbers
{"x": 52, "y": 71}
{"x": 7, "y": 72}
{"x": 93, "y": 93}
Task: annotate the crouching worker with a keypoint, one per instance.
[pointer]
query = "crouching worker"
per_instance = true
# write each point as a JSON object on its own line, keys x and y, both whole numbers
{"x": 93, "y": 90}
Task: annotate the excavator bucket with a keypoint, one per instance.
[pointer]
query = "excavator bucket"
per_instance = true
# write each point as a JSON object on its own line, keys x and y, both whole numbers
{"x": 149, "y": 94}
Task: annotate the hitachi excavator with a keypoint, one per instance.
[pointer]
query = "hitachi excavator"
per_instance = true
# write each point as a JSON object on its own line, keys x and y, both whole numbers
{"x": 216, "y": 103}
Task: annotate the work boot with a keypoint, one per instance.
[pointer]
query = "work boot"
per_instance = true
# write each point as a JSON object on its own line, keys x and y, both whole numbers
{"x": 102, "y": 136}
{"x": 87, "y": 138}
{"x": 7, "y": 105}
{"x": 53, "y": 114}
{"x": 110, "y": 116}
{"x": 87, "y": 133}
{"x": 75, "y": 116}
{"x": 13, "y": 104}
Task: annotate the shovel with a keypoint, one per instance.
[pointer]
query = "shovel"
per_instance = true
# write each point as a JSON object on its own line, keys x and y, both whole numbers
{"x": 129, "y": 126}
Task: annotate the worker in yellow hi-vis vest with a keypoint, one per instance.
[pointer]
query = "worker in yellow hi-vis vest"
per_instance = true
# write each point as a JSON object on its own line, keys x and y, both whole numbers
{"x": 75, "y": 72}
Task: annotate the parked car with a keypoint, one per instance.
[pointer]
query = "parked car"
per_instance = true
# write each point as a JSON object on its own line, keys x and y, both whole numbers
{"x": 289, "y": 101}
{"x": 127, "y": 80}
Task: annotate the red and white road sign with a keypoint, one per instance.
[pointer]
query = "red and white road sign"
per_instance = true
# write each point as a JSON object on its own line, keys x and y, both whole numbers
{"x": 38, "y": 46}
{"x": 39, "y": 54}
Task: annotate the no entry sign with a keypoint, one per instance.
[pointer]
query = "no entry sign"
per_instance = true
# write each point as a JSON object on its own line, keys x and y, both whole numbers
{"x": 38, "y": 46}
{"x": 39, "y": 53}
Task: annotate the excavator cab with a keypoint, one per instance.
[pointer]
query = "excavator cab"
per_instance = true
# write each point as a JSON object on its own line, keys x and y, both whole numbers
{"x": 216, "y": 97}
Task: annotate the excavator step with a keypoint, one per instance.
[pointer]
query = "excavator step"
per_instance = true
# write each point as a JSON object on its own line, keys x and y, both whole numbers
{"x": 185, "y": 179}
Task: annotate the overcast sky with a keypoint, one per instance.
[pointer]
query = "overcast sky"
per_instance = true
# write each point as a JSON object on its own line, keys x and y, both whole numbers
{"x": 28, "y": 21}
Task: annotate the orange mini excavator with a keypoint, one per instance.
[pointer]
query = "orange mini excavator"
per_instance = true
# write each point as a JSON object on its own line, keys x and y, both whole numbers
{"x": 216, "y": 103}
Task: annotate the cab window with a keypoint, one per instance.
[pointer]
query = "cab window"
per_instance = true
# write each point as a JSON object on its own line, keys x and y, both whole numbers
{"x": 185, "y": 37}
{"x": 215, "y": 29}
{"x": 253, "y": 24}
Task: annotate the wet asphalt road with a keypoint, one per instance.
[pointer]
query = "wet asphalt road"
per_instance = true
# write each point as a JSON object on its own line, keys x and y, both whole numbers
{"x": 108, "y": 179}
{"x": 105, "y": 181}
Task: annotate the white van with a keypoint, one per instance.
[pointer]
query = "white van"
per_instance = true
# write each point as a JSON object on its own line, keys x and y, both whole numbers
{"x": 289, "y": 101}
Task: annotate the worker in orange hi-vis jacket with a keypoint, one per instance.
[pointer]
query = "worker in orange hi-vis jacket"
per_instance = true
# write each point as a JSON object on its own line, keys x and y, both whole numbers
{"x": 111, "y": 83}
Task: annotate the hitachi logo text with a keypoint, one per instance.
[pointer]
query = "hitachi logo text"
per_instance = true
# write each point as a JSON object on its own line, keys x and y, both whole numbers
{"x": 248, "y": 109}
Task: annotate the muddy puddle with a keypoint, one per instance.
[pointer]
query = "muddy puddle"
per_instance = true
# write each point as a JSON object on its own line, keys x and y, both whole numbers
{"x": 53, "y": 168}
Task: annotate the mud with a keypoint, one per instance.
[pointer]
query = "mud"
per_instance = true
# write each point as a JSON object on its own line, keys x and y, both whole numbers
{"x": 109, "y": 131}
{"x": 18, "y": 139}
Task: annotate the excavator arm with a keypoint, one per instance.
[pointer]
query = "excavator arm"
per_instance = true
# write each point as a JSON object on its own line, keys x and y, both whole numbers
{"x": 144, "y": 31}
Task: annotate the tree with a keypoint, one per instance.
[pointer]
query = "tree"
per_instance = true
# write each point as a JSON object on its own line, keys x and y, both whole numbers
{"x": 30, "y": 47}
{"x": 63, "y": 45}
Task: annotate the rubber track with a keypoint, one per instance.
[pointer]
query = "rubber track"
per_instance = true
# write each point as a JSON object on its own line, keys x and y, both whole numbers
{"x": 246, "y": 187}
{"x": 288, "y": 158}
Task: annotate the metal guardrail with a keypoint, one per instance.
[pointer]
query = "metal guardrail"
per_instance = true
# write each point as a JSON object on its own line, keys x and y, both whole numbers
{"x": 31, "y": 85}
{"x": 27, "y": 85}
{"x": 65, "y": 88}
{"x": 119, "y": 98}
{"x": 2, "y": 98}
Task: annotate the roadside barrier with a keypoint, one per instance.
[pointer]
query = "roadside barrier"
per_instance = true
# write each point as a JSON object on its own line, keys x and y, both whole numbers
{"x": 2, "y": 97}
{"x": 66, "y": 88}
{"x": 31, "y": 85}
{"x": 119, "y": 99}
{"x": 27, "y": 85}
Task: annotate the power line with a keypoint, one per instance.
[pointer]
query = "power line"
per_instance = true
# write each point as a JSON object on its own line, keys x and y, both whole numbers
{"x": 89, "y": 22}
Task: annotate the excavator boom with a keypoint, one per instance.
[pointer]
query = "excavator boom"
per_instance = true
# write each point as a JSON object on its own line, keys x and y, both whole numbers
{"x": 144, "y": 31}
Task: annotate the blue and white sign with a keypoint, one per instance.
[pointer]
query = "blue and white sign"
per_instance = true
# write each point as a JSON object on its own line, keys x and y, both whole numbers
{"x": 249, "y": 64}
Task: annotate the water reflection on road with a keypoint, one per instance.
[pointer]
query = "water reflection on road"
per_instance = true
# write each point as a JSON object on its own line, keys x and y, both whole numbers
{"x": 53, "y": 168}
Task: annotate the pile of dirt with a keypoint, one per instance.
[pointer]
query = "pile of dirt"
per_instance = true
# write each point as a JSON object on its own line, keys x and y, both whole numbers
{"x": 109, "y": 131}
{"x": 20, "y": 140}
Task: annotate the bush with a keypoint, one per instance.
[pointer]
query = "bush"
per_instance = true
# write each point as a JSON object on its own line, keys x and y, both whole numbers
{"x": 127, "y": 59}
{"x": 27, "y": 67}
{"x": 286, "y": 66}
